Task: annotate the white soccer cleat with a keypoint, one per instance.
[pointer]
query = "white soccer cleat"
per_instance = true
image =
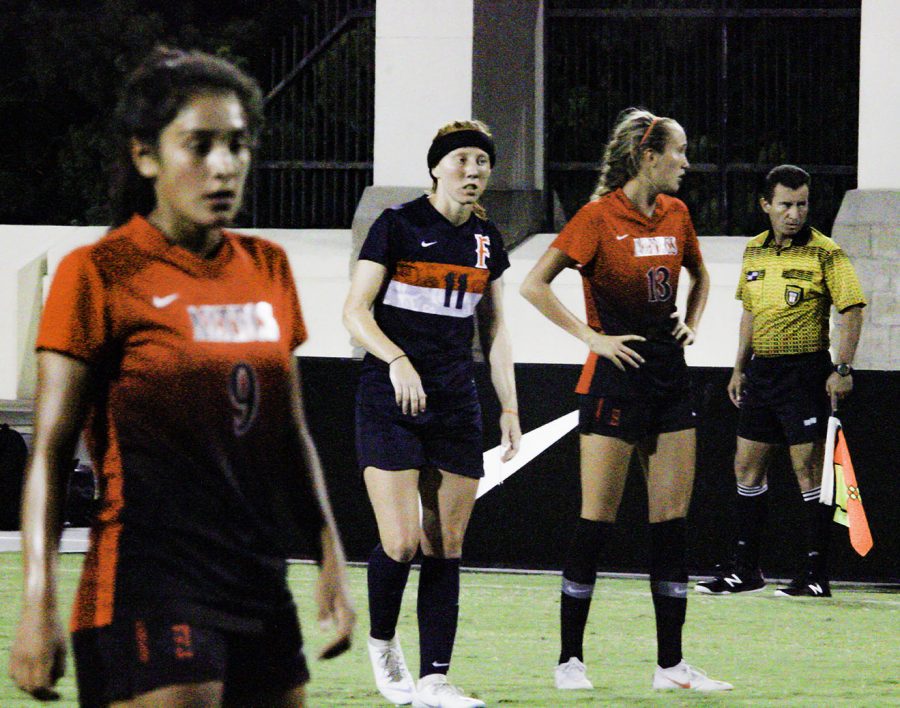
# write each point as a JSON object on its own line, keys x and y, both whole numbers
{"x": 435, "y": 691}
{"x": 572, "y": 676}
{"x": 391, "y": 675}
{"x": 683, "y": 675}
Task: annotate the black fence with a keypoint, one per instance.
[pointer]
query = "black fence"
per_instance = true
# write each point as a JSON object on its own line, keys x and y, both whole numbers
{"x": 753, "y": 86}
{"x": 315, "y": 159}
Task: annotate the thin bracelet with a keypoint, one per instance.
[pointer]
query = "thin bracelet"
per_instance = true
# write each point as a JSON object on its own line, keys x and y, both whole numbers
{"x": 395, "y": 359}
{"x": 511, "y": 412}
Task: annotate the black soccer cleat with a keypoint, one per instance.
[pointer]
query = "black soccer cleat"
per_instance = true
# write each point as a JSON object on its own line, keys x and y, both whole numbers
{"x": 732, "y": 580}
{"x": 807, "y": 585}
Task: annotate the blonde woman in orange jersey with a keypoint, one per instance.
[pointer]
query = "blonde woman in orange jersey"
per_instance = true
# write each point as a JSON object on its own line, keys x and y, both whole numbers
{"x": 630, "y": 242}
{"x": 173, "y": 338}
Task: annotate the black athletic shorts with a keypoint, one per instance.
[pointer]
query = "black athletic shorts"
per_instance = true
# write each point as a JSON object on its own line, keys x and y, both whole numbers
{"x": 634, "y": 418}
{"x": 134, "y": 656}
{"x": 447, "y": 436}
{"x": 784, "y": 399}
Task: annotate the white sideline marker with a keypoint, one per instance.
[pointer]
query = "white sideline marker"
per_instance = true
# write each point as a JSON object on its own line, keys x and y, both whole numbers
{"x": 533, "y": 444}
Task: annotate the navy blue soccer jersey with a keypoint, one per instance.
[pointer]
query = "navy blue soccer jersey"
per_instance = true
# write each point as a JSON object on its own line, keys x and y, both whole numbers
{"x": 436, "y": 275}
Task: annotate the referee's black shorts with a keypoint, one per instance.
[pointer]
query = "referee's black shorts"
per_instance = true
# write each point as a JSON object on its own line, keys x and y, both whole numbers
{"x": 784, "y": 399}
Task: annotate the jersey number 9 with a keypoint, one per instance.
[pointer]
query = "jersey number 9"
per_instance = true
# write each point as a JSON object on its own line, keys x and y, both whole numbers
{"x": 243, "y": 392}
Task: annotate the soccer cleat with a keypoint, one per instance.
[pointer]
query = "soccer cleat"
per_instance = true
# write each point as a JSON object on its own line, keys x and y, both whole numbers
{"x": 683, "y": 675}
{"x": 391, "y": 675}
{"x": 807, "y": 585}
{"x": 572, "y": 676}
{"x": 435, "y": 691}
{"x": 731, "y": 580}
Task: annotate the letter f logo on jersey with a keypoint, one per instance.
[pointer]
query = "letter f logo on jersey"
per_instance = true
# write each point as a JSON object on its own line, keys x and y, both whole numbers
{"x": 482, "y": 250}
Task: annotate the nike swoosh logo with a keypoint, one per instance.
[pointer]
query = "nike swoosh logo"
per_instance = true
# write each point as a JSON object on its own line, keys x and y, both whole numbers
{"x": 679, "y": 684}
{"x": 439, "y": 665}
{"x": 165, "y": 301}
{"x": 619, "y": 238}
{"x": 426, "y": 244}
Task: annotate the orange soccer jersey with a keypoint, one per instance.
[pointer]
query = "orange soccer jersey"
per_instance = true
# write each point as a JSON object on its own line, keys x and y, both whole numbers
{"x": 630, "y": 265}
{"x": 191, "y": 427}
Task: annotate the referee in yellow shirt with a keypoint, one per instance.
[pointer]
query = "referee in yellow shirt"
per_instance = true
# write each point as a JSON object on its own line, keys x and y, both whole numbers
{"x": 784, "y": 382}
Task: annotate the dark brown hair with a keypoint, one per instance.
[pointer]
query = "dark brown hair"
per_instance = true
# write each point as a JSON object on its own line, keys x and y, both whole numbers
{"x": 152, "y": 96}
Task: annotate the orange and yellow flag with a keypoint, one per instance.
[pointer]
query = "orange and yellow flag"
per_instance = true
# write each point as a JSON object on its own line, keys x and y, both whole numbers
{"x": 847, "y": 499}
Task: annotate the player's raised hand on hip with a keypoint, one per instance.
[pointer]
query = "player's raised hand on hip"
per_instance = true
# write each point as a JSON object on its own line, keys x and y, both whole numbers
{"x": 614, "y": 348}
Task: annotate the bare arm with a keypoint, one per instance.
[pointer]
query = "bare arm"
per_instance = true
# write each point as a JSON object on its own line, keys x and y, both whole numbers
{"x": 745, "y": 349}
{"x": 37, "y": 658}
{"x": 365, "y": 284}
{"x": 698, "y": 293}
{"x": 536, "y": 289}
{"x": 332, "y": 593}
{"x": 839, "y": 386}
{"x": 497, "y": 346}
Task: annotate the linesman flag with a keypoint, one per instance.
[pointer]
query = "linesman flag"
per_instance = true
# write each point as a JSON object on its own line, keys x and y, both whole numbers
{"x": 839, "y": 487}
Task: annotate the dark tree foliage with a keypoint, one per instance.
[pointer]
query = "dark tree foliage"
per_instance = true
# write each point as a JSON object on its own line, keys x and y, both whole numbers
{"x": 63, "y": 63}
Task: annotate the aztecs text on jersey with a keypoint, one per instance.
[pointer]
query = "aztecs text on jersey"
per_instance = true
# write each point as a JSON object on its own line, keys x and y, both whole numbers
{"x": 630, "y": 265}
{"x": 191, "y": 429}
{"x": 790, "y": 289}
{"x": 436, "y": 275}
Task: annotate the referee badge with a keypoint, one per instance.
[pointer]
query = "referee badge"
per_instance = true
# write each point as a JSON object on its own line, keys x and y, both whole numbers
{"x": 793, "y": 294}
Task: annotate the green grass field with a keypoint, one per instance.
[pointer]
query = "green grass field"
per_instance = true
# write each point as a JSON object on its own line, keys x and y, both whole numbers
{"x": 843, "y": 651}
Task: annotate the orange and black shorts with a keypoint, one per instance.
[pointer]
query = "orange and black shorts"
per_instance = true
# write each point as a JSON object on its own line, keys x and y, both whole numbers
{"x": 634, "y": 418}
{"x": 131, "y": 657}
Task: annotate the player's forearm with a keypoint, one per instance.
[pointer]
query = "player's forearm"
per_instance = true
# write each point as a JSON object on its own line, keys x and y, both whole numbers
{"x": 541, "y": 295}
{"x": 698, "y": 294}
{"x": 360, "y": 322}
{"x": 503, "y": 375}
{"x": 851, "y": 328}
{"x": 41, "y": 525}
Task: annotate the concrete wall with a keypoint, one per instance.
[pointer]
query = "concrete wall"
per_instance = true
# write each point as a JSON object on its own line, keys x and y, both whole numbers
{"x": 319, "y": 259}
{"x": 423, "y": 79}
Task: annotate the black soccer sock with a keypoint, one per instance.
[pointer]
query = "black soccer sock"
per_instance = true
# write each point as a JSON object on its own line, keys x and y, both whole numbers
{"x": 579, "y": 577}
{"x": 818, "y": 532}
{"x": 387, "y": 581}
{"x": 668, "y": 585}
{"x": 438, "y": 610}
{"x": 752, "y": 510}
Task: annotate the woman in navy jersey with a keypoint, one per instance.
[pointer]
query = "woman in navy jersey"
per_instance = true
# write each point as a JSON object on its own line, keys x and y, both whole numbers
{"x": 173, "y": 339}
{"x": 426, "y": 268}
{"x": 630, "y": 242}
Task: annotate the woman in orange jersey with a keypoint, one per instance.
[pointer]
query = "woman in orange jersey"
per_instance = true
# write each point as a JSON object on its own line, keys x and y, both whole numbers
{"x": 629, "y": 243}
{"x": 425, "y": 269}
{"x": 174, "y": 340}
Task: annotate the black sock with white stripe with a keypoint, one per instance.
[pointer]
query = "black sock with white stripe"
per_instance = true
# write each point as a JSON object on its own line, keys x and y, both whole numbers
{"x": 668, "y": 585}
{"x": 752, "y": 510}
{"x": 438, "y": 612}
{"x": 818, "y": 532}
{"x": 579, "y": 577}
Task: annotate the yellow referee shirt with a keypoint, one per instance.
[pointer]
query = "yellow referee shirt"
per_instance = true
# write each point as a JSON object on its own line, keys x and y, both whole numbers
{"x": 790, "y": 290}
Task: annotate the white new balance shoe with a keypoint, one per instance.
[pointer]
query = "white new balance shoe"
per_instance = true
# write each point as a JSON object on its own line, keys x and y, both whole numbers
{"x": 572, "y": 676}
{"x": 435, "y": 691}
{"x": 391, "y": 675}
{"x": 683, "y": 675}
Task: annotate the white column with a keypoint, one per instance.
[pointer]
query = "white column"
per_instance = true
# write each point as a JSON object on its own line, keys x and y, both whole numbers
{"x": 879, "y": 95}
{"x": 423, "y": 79}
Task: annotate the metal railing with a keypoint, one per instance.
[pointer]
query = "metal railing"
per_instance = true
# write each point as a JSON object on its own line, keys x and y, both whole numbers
{"x": 316, "y": 153}
{"x": 753, "y": 87}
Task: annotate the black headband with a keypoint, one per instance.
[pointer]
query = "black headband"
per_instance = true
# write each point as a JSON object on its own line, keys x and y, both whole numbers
{"x": 449, "y": 142}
